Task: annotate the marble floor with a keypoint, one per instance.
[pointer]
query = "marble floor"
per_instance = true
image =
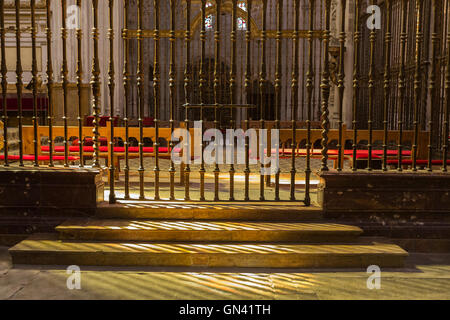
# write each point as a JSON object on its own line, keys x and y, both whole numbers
{"x": 425, "y": 276}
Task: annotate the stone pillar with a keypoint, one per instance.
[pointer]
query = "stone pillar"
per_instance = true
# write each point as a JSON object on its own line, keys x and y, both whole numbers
{"x": 334, "y": 62}
{"x": 104, "y": 57}
{"x": 336, "y": 14}
{"x": 348, "y": 63}
{"x": 85, "y": 21}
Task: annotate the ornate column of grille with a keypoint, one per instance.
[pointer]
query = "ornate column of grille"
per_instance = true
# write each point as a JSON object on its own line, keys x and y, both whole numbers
{"x": 64, "y": 79}
{"x": 356, "y": 85}
{"x": 262, "y": 89}
{"x": 79, "y": 74}
{"x": 294, "y": 87}
{"x": 126, "y": 85}
{"x": 248, "y": 84}
{"x": 4, "y": 83}
{"x": 95, "y": 85}
{"x": 140, "y": 98}
{"x": 35, "y": 81}
{"x": 172, "y": 99}
{"x": 216, "y": 95}
{"x": 340, "y": 85}
{"x": 325, "y": 87}
{"x": 187, "y": 84}
{"x": 232, "y": 89}
{"x": 309, "y": 102}
{"x": 386, "y": 81}
{"x": 202, "y": 84}
{"x": 417, "y": 79}
{"x": 156, "y": 93}
{"x": 50, "y": 81}
{"x": 371, "y": 89}
{"x": 277, "y": 92}
{"x": 435, "y": 40}
{"x": 19, "y": 82}
{"x": 111, "y": 85}
{"x": 402, "y": 80}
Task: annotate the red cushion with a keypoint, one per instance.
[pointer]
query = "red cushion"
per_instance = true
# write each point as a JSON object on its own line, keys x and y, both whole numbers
{"x": 316, "y": 152}
{"x": 72, "y": 149}
{"x": 150, "y": 149}
{"x": 392, "y": 153}
{"x": 105, "y": 149}
{"x": 30, "y": 157}
{"x": 419, "y": 161}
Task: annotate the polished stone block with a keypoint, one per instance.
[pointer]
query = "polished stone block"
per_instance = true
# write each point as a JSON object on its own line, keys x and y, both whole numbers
{"x": 350, "y": 194}
{"x": 49, "y": 191}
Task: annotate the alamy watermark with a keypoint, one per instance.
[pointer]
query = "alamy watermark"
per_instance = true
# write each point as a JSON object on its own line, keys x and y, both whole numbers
{"x": 74, "y": 280}
{"x": 374, "y": 20}
{"x": 73, "y": 14}
{"x": 374, "y": 280}
{"x": 228, "y": 148}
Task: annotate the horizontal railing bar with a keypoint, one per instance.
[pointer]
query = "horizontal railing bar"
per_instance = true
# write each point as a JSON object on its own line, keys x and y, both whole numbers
{"x": 190, "y": 105}
{"x": 148, "y": 33}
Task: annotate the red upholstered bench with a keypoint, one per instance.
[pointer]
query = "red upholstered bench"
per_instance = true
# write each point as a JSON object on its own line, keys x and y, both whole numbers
{"x": 41, "y": 158}
{"x": 349, "y": 152}
{"x": 419, "y": 162}
{"x": 89, "y": 142}
{"x": 60, "y": 149}
{"x": 393, "y": 153}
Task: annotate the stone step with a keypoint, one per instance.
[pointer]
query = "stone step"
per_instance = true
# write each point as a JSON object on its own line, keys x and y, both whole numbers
{"x": 176, "y": 210}
{"x": 269, "y": 255}
{"x": 204, "y": 231}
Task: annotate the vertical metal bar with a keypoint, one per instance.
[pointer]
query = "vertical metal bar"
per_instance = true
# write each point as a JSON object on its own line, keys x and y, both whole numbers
{"x": 356, "y": 85}
{"x": 309, "y": 97}
{"x": 316, "y": 89}
{"x": 172, "y": 99}
{"x": 156, "y": 94}
{"x": 126, "y": 85}
{"x": 445, "y": 138}
{"x": 233, "y": 88}
{"x": 19, "y": 83}
{"x": 304, "y": 50}
{"x": 4, "y": 84}
{"x": 111, "y": 85}
{"x": 64, "y": 79}
{"x": 340, "y": 85}
{"x": 387, "y": 79}
{"x": 262, "y": 89}
{"x": 187, "y": 83}
{"x": 325, "y": 87}
{"x": 202, "y": 83}
{"x": 435, "y": 40}
{"x": 417, "y": 79}
{"x": 216, "y": 94}
{"x": 371, "y": 89}
{"x": 140, "y": 99}
{"x": 402, "y": 80}
{"x": 95, "y": 84}
{"x": 278, "y": 90}
{"x": 248, "y": 89}
{"x": 49, "y": 81}
{"x": 79, "y": 73}
{"x": 294, "y": 87}
{"x": 35, "y": 82}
